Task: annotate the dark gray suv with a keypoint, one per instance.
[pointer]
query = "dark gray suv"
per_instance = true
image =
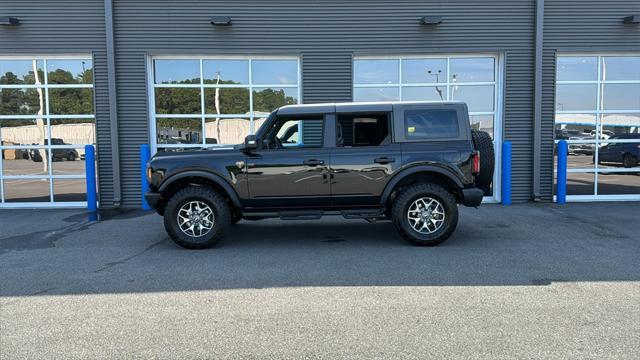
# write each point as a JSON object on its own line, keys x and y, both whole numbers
{"x": 408, "y": 162}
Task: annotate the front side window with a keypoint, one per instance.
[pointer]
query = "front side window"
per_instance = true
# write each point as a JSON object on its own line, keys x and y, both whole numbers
{"x": 46, "y": 119}
{"x": 431, "y": 124}
{"x": 291, "y": 133}
{"x": 597, "y": 111}
{"x": 218, "y": 101}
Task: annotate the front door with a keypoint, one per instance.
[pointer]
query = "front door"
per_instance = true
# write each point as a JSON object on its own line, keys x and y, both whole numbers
{"x": 290, "y": 168}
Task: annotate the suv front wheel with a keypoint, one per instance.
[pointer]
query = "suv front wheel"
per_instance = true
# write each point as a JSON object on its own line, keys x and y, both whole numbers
{"x": 196, "y": 217}
{"x": 425, "y": 214}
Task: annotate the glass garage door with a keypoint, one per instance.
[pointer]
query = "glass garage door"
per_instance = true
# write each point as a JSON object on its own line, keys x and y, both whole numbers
{"x": 46, "y": 118}
{"x": 598, "y": 114}
{"x": 474, "y": 79}
{"x": 216, "y": 101}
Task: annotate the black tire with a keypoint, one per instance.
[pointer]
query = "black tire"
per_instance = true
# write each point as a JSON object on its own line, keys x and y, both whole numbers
{"x": 221, "y": 212}
{"x": 71, "y": 156}
{"x": 482, "y": 142}
{"x": 629, "y": 161}
{"x": 407, "y": 196}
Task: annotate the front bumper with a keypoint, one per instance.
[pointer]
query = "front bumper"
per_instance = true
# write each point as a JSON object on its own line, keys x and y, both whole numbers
{"x": 153, "y": 198}
{"x": 472, "y": 197}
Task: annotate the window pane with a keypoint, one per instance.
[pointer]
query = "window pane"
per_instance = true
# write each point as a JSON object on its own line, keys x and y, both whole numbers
{"x": 177, "y": 71}
{"x": 621, "y": 183}
{"x": 575, "y": 126}
{"x": 621, "y": 68}
{"x": 226, "y": 131}
{"x": 431, "y": 124}
{"x": 577, "y": 68}
{"x": 21, "y": 72}
{"x": 179, "y": 131}
{"x": 26, "y": 190}
{"x": 482, "y": 122}
{"x": 472, "y": 69}
{"x": 616, "y": 124}
{"x": 580, "y": 184}
{"x": 24, "y": 162}
{"x": 576, "y": 97}
{"x": 70, "y": 71}
{"x": 69, "y": 190}
{"x": 23, "y": 132}
{"x": 71, "y": 101}
{"x": 581, "y": 156}
{"x": 178, "y": 101}
{"x": 301, "y": 133}
{"x": 376, "y": 94}
{"x": 67, "y": 161}
{"x": 621, "y": 96}
{"x": 229, "y": 100}
{"x": 477, "y": 97}
{"x": 375, "y": 72}
{"x": 74, "y": 131}
{"x": 424, "y": 71}
{"x": 268, "y": 72}
{"x": 424, "y": 93}
{"x": 22, "y": 101}
{"x": 269, "y": 99}
{"x": 225, "y": 71}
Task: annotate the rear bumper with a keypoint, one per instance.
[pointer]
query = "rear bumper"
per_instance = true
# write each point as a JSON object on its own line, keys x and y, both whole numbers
{"x": 152, "y": 199}
{"x": 472, "y": 197}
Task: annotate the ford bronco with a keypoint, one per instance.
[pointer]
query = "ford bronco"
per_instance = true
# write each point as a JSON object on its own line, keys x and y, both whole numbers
{"x": 408, "y": 162}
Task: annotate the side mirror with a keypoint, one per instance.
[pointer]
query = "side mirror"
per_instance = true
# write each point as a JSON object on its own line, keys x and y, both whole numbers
{"x": 250, "y": 143}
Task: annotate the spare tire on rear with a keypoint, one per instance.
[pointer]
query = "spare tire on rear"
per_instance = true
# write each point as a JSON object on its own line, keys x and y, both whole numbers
{"x": 482, "y": 142}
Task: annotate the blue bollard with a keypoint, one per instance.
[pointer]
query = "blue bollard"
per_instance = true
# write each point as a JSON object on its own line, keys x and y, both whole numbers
{"x": 561, "y": 192}
{"x": 90, "y": 169}
{"x": 506, "y": 173}
{"x": 145, "y": 155}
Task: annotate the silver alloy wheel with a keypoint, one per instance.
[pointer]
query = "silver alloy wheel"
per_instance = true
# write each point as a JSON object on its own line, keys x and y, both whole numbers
{"x": 426, "y": 215}
{"x": 195, "y": 218}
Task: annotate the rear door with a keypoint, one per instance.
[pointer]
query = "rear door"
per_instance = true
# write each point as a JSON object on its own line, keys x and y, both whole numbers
{"x": 365, "y": 156}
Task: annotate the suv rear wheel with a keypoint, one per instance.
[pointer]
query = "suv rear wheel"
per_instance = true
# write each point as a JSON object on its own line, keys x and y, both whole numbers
{"x": 425, "y": 214}
{"x": 196, "y": 217}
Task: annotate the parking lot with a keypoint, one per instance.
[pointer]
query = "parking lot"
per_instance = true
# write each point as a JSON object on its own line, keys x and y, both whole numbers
{"x": 525, "y": 281}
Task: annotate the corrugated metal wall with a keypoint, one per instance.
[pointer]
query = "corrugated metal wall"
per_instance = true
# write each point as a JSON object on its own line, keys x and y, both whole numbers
{"x": 326, "y": 34}
{"x": 586, "y": 26}
{"x": 66, "y": 27}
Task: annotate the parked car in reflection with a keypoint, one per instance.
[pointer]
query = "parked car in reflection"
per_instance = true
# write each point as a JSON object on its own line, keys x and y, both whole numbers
{"x": 581, "y": 149}
{"x": 627, "y": 154}
{"x": 56, "y": 154}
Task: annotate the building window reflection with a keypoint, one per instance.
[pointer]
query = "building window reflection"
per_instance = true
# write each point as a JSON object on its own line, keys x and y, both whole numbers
{"x": 46, "y": 118}
{"x": 210, "y": 101}
{"x": 598, "y": 114}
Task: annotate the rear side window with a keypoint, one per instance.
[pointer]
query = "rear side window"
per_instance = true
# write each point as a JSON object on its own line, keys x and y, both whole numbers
{"x": 431, "y": 124}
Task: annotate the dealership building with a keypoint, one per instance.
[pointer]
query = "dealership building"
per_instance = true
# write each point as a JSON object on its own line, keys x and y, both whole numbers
{"x": 204, "y": 74}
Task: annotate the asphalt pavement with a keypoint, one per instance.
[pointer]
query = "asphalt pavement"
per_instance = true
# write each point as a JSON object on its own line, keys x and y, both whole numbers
{"x": 524, "y": 281}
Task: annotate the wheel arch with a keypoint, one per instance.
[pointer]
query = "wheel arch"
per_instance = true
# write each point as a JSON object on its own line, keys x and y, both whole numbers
{"x": 200, "y": 177}
{"x": 423, "y": 173}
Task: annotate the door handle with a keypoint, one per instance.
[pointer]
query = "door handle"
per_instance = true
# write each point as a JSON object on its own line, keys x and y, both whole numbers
{"x": 384, "y": 160}
{"x": 313, "y": 162}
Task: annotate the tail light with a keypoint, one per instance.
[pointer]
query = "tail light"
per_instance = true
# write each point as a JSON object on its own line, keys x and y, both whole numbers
{"x": 475, "y": 158}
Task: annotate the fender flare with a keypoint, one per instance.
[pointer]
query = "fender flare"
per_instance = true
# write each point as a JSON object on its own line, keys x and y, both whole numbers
{"x": 219, "y": 180}
{"x": 414, "y": 170}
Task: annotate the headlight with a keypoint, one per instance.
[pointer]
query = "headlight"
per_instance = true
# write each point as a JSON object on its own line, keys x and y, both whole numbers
{"x": 148, "y": 173}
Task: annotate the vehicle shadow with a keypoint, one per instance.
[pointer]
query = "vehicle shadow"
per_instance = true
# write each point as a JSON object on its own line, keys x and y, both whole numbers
{"x": 493, "y": 246}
